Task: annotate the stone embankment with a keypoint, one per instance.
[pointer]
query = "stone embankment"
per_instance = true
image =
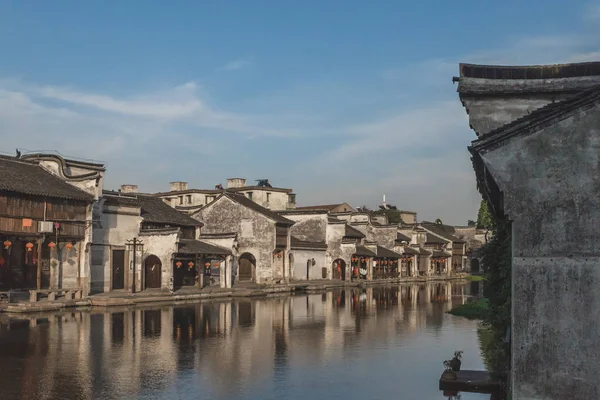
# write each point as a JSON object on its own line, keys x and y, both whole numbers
{"x": 151, "y": 296}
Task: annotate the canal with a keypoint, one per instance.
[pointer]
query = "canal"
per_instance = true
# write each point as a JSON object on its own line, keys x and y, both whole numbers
{"x": 385, "y": 342}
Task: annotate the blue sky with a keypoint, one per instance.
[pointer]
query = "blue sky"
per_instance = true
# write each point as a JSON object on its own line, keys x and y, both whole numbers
{"x": 339, "y": 100}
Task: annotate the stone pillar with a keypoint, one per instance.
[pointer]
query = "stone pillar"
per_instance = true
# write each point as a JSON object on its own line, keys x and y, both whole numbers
{"x": 223, "y": 273}
{"x": 370, "y": 268}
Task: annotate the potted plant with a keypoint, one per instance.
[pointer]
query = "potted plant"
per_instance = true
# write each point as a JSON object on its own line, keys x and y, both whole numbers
{"x": 455, "y": 362}
{"x": 448, "y": 374}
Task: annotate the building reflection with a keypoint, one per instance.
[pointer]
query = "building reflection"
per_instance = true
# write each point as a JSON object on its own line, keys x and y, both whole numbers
{"x": 226, "y": 346}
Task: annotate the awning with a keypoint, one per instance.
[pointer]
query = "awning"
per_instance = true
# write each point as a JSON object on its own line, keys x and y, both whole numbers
{"x": 384, "y": 252}
{"x": 192, "y": 246}
{"x": 441, "y": 253}
{"x": 363, "y": 251}
{"x": 410, "y": 251}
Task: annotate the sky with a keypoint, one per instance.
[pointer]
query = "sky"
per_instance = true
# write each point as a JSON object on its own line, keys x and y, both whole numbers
{"x": 340, "y": 100}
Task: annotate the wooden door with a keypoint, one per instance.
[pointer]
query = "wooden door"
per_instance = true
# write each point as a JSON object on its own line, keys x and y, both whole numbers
{"x": 118, "y": 269}
{"x": 245, "y": 271}
{"x": 152, "y": 272}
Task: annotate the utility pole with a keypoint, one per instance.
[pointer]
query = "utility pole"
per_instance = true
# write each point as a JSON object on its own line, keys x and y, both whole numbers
{"x": 134, "y": 243}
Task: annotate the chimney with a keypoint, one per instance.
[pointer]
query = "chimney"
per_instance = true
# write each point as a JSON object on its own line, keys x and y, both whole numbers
{"x": 235, "y": 183}
{"x": 129, "y": 189}
{"x": 177, "y": 186}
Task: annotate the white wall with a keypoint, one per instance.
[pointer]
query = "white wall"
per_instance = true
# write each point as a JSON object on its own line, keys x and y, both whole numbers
{"x": 300, "y": 259}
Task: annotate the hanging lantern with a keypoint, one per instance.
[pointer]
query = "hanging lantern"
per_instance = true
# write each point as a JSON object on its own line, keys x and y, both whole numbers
{"x": 7, "y": 244}
{"x": 69, "y": 246}
{"x": 207, "y": 264}
{"x": 217, "y": 264}
{"x": 178, "y": 264}
{"x": 57, "y": 225}
{"x": 29, "y": 246}
{"x": 279, "y": 255}
{"x": 190, "y": 265}
{"x": 51, "y": 245}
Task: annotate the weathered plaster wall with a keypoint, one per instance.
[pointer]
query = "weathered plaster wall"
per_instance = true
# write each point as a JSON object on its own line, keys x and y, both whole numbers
{"x": 551, "y": 186}
{"x": 335, "y": 248}
{"x": 300, "y": 261}
{"x": 256, "y": 233}
{"x": 117, "y": 225}
{"x": 309, "y": 227}
{"x": 277, "y": 200}
{"x": 408, "y": 218}
{"x": 384, "y": 235}
{"x": 163, "y": 246}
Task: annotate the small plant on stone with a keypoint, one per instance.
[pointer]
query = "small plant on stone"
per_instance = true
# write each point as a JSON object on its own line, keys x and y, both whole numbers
{"x": 447, "y": 365}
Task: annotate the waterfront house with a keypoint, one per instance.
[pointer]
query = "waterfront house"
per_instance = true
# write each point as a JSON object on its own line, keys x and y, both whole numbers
{"x": 45, "y": 221}
{"x": 141, "y": 243}
{"x": 262, "y": 241}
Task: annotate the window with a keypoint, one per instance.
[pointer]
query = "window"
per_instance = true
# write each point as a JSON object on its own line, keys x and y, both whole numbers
{"x": 292, "y": 198}
{"x": 268, "y": 197}
{"x": 249, "y": 194}
{"x": 180, "y": 200}
{"x": 189, "y": 199}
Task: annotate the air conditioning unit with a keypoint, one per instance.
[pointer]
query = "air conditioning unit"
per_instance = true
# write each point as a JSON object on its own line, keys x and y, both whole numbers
{"x": 45, "y": 226}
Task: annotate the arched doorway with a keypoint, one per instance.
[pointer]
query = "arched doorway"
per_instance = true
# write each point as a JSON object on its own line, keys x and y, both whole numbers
{"x": 338, "y": 269}
{"x": 152, "y": 272}
{"x": 247, "y": 266}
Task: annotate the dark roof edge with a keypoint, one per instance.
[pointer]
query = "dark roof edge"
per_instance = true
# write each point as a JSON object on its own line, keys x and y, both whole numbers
{"x": 553, "y": 71}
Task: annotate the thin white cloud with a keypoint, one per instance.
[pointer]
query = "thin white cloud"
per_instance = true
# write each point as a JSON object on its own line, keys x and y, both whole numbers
{"x": 237, "y": 64}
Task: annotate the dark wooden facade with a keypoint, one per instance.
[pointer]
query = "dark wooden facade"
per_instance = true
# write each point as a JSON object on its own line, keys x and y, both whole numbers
{"x": 25, "y": 254}
{"x": 14, "y": 208}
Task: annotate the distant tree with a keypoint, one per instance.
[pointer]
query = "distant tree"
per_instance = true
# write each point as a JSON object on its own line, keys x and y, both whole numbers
{"x": 471, "y": 223}
{"x": 393, "y": 215}
{"x": 484, "y": 219}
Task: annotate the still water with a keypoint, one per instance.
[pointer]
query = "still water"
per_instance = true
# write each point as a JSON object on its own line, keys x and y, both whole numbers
{"x": 375, "y": 343}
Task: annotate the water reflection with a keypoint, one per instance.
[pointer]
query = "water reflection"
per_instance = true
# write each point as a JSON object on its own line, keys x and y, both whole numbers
{"x": 366, "y": 343}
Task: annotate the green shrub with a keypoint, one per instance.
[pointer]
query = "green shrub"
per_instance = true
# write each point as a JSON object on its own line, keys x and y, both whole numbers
{"x": 472, "y": 310}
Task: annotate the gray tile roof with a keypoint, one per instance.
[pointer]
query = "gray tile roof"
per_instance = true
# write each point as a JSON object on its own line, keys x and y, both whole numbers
{"x": 29, "y": 178}
{"x": 303, "y": 244}
{"x": 363, "y": 251}
{"x": 190, "y": 246}
{"x": 384, "y": 252}
{"x": 402, "y": 238}
{"x": 353, "y": 232}
{"x": 154, "y": 210}
{"x": 410, "y": 251}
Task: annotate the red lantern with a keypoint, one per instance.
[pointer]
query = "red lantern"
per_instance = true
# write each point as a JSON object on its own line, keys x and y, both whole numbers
{"x": 207, "y": 264}
{"x": 178, "y": 264}
{"x": 69, "y": 246}
{"x": 51, "y": 245}
{"x": 29, "y": 246}
{"x": 190, "y": 265}
{"x": 217, "y": 264}
{"x": 7, "y": 244}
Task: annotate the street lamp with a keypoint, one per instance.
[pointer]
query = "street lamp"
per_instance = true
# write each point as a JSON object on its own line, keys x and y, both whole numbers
{"x": 134, "y": 243}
